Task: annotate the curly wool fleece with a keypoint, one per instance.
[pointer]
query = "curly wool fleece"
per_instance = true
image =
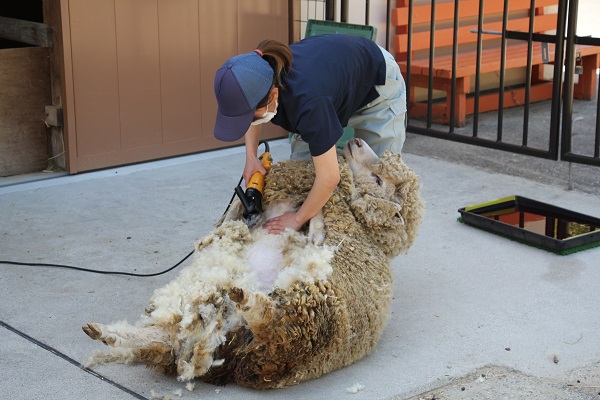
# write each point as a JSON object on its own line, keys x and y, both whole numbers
{"x": 267, "y": 311}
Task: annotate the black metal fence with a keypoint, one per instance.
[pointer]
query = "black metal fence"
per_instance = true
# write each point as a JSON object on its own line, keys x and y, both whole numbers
{"x": 569, "y": 149}
{"x": 560, "y": 127}
{"x": 543, "y": 129}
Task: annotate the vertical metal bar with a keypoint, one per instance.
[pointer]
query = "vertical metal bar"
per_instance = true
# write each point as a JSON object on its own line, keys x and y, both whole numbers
{"x": 329, "y": 10}
{"x": 294, "y": 20}
{"x": 454, "y": 58}
{"x": 431, "y": 61}
{"x": 408, "y": 76}
{"x": 344, "y": 11}
{"x": 367, "y": 11}
{"x": 388, "y": 24}
{"x": 527, "y": 107}
{"x": 597, "y": 143}
{"x": 555, "y": 113}
{"x": 502, "y": 72}
{"x": 478, "y": 67}
{"x": 567, "y": 123}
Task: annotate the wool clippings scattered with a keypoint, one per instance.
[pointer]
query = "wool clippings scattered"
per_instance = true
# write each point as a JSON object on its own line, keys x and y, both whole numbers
{"x": 357, "y": 387}
{"x": 157, "y": 396}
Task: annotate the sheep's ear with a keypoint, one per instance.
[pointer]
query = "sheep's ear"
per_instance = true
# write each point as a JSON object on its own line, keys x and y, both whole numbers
{"x": 377, "y": 212}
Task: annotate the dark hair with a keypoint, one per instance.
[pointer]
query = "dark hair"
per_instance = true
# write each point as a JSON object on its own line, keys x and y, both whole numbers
{"x": 279, "y": 57}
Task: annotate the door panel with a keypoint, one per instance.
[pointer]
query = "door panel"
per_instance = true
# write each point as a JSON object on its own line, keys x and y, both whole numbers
{"x": 95, "y": 77}
{"x": 180, "y": 70}
{"x": 139, "y": 72}
{"x": 143, "y": 73}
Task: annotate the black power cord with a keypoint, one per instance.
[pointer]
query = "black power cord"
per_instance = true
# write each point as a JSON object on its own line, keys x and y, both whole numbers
{"x": 95, "y": 271}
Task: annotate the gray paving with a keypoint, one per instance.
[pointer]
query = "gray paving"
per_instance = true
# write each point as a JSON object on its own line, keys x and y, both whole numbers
{"x": 467, "y": 303}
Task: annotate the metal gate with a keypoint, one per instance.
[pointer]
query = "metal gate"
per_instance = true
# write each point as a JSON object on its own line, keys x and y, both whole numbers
{"x": 571, "y": 151}
{"x": 547, "y": 128}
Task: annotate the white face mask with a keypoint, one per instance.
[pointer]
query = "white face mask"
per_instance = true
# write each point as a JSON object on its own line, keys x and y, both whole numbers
{"x": 267, "y": 116}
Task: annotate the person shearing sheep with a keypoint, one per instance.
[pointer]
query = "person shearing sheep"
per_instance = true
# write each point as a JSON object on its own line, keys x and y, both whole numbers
{"x": 312, "y": 88}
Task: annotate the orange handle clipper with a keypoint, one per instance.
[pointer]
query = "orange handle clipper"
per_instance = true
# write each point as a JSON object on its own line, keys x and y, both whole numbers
{"x": 252, "y": 198}
{"x": 257, "y": 181}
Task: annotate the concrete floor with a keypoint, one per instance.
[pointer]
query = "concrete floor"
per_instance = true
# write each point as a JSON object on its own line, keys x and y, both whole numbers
{"x": 466, "y": 302}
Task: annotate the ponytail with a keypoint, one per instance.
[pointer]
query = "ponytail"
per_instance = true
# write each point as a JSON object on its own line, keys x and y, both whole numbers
{"x": 279, "y": 57}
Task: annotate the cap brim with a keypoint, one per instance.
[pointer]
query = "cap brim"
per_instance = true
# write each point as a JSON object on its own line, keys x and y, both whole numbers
{"x": 229, "y": 129}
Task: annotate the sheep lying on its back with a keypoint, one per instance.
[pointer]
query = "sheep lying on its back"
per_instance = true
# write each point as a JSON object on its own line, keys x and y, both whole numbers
{"x": 274, "y": 310}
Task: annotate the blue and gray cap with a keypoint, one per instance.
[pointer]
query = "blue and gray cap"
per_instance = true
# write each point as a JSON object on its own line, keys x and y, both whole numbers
{"x": 240, "y": 84}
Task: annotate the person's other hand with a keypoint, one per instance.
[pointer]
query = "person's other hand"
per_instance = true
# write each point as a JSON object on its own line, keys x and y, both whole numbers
{"x": 279, "y": 224}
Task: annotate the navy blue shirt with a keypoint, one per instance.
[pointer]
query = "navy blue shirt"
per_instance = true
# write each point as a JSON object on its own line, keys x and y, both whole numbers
{"x": 331, "y": 77}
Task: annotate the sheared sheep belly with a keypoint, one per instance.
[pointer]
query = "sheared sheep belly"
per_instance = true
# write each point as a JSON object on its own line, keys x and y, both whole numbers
{"x": 258, "y": 263}
{"x": 265, "y": 259}
{"x": 198, "y": 324}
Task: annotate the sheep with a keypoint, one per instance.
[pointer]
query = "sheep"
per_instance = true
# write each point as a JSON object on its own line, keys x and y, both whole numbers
{"x": 270, "y": 311}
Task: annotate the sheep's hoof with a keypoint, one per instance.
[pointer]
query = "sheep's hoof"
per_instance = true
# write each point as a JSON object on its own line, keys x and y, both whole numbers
{"x": 317, "y": 238}
{"x": 237, "y": 295}
{"x": 92, "y": 330}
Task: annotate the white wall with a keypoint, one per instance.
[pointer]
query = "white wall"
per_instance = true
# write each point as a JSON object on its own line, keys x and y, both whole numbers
{"x": 377, "y": 17}
{"x": 587, "y": 18}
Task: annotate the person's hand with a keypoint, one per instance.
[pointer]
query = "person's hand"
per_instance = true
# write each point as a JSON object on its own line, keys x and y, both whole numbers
{"x": 327, "y": 176}
{"x": 253, "y": 165}
{"x": 279, "y": 224}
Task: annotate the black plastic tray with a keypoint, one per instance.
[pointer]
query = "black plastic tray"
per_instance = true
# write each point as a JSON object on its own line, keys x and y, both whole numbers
{"x": 487, "y": 216}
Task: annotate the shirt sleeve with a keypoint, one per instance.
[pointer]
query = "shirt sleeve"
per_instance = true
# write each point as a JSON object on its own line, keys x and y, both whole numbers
{"x": 319, "y": 125}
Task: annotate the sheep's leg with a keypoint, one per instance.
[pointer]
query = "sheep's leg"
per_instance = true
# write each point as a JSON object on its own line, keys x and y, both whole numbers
{"x": 118, "y": 355}
{"x": 234, "y": 213}
{"x": 131, "y": 344}
{"x": 287, "y": 333}
{"x": 125, "y": 335}
{"x": 316, "y": 229}
{"x": 257, "y": 309}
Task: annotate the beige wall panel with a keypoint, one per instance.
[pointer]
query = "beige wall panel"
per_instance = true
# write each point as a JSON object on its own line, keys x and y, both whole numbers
{"x": 143, "y": 73}
{"x": 237, "y": 27}
{"x": 139, "y": 72}
{"x": 259, "y": 20}
{"x": 218, "y": 42}
{"x": 95, "y": 78}
{"x": 180, "y": 70}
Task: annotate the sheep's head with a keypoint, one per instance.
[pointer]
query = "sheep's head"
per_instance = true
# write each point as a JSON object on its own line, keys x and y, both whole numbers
{"x": 385, "y": 197}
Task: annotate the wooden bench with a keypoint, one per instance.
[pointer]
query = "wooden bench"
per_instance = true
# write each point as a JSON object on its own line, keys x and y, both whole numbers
{"x": 545, "y": 21}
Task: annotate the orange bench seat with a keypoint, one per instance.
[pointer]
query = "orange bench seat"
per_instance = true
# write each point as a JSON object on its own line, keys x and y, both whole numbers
{"x": 545, "y": 19}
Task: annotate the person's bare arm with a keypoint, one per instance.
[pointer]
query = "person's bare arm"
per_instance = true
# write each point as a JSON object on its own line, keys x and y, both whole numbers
{"x": 327, "y": 177}
{"x": 253, "y": 164}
